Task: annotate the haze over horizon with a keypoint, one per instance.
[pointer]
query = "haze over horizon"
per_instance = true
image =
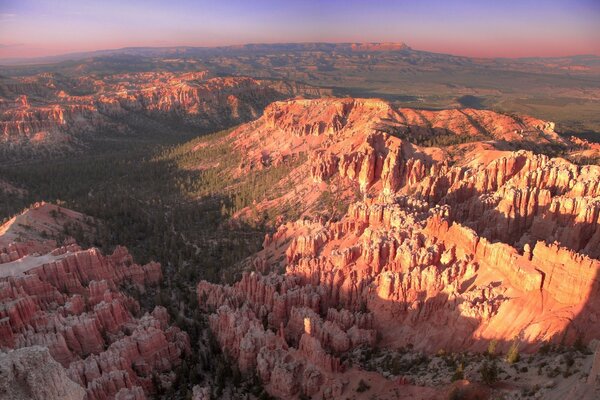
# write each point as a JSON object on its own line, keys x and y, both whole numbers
{"x": 33, "y": 28}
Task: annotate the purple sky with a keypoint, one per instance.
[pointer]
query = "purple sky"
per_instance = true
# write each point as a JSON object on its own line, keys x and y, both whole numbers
{"x": 487, "y": 28}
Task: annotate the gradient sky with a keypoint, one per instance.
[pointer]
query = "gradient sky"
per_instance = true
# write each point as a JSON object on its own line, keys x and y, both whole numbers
{"x": 487, "y": 28}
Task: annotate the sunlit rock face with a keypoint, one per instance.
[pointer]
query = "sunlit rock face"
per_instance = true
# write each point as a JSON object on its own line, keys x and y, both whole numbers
{"x": 70, "y": 301}
{"x": 449, "y": 247}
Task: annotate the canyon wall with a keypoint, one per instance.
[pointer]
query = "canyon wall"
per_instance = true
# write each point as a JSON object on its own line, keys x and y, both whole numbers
{"x": 446, "y": 249}
{"x": 48, "y": 111}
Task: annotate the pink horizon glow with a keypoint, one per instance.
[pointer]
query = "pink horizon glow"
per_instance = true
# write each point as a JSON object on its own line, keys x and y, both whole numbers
{"x": 523, "y": 28}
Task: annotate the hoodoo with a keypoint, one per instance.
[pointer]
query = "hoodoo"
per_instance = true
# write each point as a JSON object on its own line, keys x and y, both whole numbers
{"x": 494, "y": 245}
{"x": 70, "y": 301}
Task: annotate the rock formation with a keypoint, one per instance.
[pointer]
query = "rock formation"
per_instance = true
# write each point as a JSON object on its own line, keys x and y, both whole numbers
{"x": 31, "y": 232}
{"x": 47, "y": 111}
{"x": 420, "y": 247}
{"x": 31, "y": 373}
{"x": 449, "y": 248}
{"x": 70, "y": 301}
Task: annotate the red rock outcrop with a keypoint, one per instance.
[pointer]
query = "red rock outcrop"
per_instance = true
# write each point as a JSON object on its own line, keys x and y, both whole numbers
{"x": 370, "y": 142}
{"x": 44, "y": 114}
{"x": 69, "y": 301}
{"x": 448, "y": 248}
{"x": 293, "y": 312}
{"x": 30, "y": 232}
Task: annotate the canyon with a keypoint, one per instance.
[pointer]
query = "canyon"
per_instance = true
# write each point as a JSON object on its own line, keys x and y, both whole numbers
{"x": 420, "y": 239}
{"x": 443, "y": 248}
{"x": 55, "y": 113}
{"x": 562, "y": 89}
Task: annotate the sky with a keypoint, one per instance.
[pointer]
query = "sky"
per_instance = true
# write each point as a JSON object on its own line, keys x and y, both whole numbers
{"x": 482, "y": 28}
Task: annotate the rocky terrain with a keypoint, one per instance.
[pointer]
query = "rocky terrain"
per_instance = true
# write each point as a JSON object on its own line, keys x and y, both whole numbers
{"x": 360, "y": 147}
{"x": 412, "y": 254}
{"x": 31, "y": 373}
{"x": 563, "y": 89}
{"x": 73, "y": 303}
{"x": 444, "y": 248}
{"x": 50, "y": 111}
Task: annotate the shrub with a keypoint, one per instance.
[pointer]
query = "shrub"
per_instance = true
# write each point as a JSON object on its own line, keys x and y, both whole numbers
{"x": 458, "y": 373}
{"x": 569, "y": 360}
{"x": 491, "y": 350}
{"x": 580, "y": 346}
{"x": 553, "y": 373}
{"x": 513, "y": 352}
{"x": 489, "y": 372}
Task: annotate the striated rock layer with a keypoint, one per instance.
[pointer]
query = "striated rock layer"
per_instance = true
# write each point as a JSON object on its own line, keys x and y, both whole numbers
{"x": 48, "y": 111}
{"x": 70, "y": 302}
{"x": 449, "y": 248}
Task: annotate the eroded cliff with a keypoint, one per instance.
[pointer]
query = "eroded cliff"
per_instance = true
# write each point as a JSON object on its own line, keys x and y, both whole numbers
{"x": 72, "y": 302}
{"x": 444, "y": 248}
{"x": 51, "y": 112}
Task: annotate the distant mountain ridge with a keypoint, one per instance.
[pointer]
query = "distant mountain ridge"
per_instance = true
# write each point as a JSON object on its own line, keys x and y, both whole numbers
{"x": 146, "y": 51}
{"x": 202, "y": 50}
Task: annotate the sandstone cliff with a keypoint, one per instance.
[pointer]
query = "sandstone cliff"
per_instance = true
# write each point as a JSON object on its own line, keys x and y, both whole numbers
{"x": 71, "y": 302}
{"x": 50, "y": 112}
{"x": 445, "y": 248}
